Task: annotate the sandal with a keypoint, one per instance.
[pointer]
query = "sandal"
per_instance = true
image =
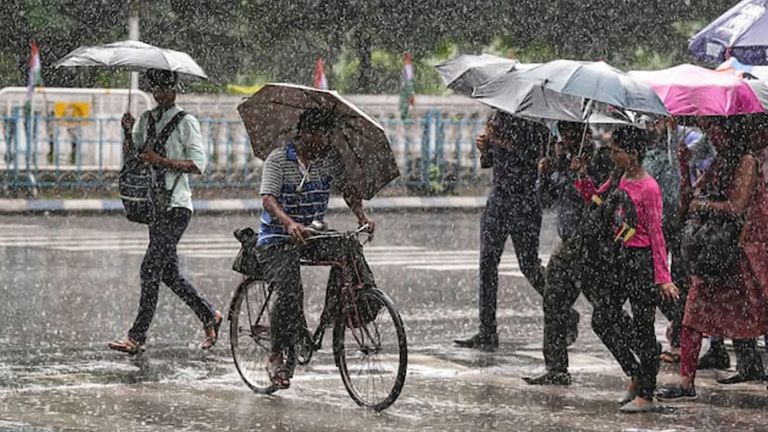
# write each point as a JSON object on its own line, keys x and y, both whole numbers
{"x": 127, "y": 345}
{"x": 670, "y": 357}
{"x": 210, "y": 340}
{"x": 278, "y": 374}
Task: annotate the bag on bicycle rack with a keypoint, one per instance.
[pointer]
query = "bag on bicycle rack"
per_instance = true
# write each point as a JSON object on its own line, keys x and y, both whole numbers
{"x": 367, "y": 313}
{"x": 246, "y": 261}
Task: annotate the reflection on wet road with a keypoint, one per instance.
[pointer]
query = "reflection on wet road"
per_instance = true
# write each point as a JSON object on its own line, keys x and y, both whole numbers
{"x": 71, "y": 284}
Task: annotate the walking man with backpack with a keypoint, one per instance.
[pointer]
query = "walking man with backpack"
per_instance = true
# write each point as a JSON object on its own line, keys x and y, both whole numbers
{"x": 174, "y": 152}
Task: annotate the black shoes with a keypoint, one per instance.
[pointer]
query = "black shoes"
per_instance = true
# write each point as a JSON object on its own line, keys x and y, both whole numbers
{"x": 739, "y": 378}
{"x": 481, "y": 341}
{"x": 715, "y": 358}
{"x": 550, "y": 378}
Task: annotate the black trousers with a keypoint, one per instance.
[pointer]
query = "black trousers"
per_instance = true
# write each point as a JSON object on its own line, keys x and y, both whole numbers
{"x": 507, "y": 216}
{"x": 569, "y": 274}
{"x": 633, "y": 281}
{"x": 281, "y": 264}
{"x": 161, "y": 263}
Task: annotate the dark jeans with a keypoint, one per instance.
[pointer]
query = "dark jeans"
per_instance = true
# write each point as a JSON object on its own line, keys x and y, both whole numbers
{"x": 568, "y": 275}
{"x": 633, "y": 280}
{"x": 282, "y": 268}
{"x": 161, "y": 263}
{"x": 518, "y": 217}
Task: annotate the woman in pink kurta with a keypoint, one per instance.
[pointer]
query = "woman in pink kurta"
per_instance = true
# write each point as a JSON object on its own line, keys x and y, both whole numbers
{"x": 639, "y": 275}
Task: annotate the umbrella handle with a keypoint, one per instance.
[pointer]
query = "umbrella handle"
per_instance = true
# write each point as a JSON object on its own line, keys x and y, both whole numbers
{"x": 587, "y": 113}
{"x": 583, "y": 138}
{"x": 130, "y": 90}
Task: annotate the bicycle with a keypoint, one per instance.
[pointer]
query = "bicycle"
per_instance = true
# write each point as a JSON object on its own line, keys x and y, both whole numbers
{"x": 365, "y": 329}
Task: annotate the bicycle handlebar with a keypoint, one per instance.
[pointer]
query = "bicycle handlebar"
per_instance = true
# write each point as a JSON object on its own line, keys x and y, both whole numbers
{"x": 315, "y": 233}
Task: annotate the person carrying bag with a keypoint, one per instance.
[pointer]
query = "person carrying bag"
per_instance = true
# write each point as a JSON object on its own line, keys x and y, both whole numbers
{"x": 163, "y": 201}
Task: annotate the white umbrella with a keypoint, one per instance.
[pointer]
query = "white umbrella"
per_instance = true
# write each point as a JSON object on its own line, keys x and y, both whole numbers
{"x": 133, "y": 56}
{"x": 270, "y": 118}
{"x": 597, "y": 81}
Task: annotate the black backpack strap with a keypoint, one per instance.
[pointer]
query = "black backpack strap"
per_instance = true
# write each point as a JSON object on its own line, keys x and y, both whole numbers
{"x": 160, "y": 144}
{"x": 166, "y": 132}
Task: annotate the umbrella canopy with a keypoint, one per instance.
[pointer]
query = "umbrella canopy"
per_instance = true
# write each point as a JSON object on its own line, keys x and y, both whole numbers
{"x": 734, "y": 66}
{"x": 465, "y": 72}
{"x": 530, "y": 100}
{"x": 741, "y": 32}
{"x": 270, "y": 118}
{"x": 133, "y": 56}
{"x": 689, "y": 90}
{"x": 596, "y": 81}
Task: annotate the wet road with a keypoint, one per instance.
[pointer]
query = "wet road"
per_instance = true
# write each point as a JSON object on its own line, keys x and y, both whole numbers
{"x": 69, "y": 284}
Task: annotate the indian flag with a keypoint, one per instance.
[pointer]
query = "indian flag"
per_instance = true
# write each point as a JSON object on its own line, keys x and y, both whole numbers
{"x": 320, "y": 81}
{"x": 407, "y": 87}
{"x": 35, "y": 76}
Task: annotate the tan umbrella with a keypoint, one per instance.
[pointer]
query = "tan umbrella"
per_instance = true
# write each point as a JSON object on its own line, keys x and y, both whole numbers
{"x": 270, "y": 118}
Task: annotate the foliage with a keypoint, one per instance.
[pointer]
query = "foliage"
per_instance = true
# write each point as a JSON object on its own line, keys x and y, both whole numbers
{"x": 246, "y": 41}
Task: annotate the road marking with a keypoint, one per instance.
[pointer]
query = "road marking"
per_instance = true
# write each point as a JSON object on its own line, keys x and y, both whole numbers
{"x": 221, "y": 246}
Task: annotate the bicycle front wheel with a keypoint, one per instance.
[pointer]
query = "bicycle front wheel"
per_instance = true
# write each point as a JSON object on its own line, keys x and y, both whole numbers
{"x": 370, "y": 350}
{"x": 249, "y": 334}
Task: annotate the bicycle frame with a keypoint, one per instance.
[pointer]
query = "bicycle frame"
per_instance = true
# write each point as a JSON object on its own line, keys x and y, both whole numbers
{"x": 347, "y": 297}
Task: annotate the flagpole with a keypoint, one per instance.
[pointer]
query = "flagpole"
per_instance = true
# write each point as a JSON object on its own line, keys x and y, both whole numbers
{"x": 133, "y": 34}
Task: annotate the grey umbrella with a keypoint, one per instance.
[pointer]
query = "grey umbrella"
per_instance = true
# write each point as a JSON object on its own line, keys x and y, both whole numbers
{"x": 463, "y": 73}
{"x": 523, "y": 98}
{"x": 270, "y": 118}
{"x": 134, "y": 56}
{"x": 596, "y": 81}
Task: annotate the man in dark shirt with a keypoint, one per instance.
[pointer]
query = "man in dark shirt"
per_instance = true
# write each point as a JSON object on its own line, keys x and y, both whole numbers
{"x": 557, "y": 187}
{"x": 512, "y": 146}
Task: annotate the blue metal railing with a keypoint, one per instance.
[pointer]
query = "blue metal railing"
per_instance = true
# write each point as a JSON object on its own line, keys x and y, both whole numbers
{"x": 434, "y": 151}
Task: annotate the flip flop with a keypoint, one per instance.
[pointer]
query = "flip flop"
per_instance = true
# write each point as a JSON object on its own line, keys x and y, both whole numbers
{"x": 278, "y": 374}
{"x": 210, "y": 341}
{"x": 126, "y": 345}
{"x": 669, "y": 357}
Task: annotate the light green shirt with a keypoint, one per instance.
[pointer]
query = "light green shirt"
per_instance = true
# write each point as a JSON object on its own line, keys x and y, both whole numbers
{"x": 185, "y": 143}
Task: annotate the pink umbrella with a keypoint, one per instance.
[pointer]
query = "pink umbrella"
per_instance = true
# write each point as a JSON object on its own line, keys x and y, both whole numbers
{"x": 689, "y": 90}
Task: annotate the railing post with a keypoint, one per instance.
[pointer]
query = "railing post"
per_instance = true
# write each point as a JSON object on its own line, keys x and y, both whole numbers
{"x": 459, "y": 130}
{"x": 439, "y": 140}
{"x": 425, "y": 144}
{"x": 16, "y": 129}
{"x": 474, "y": 118}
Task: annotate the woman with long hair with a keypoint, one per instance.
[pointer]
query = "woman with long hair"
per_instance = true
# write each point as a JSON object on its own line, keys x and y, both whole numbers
{"x": 639, "y": 275}
{"x": 734, "y": 303}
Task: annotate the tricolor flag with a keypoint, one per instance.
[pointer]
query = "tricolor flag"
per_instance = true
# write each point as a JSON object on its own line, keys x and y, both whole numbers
{"x": 35, "y": 76}
{"x": 407, "y": 87}
{"x": 320, "y": 81}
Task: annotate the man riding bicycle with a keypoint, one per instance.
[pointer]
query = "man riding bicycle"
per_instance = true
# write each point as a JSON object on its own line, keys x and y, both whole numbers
{"x": 295, "y": 188}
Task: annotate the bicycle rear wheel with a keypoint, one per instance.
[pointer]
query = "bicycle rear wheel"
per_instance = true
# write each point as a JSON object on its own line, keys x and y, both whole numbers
{"x": 370, "y": 349}
{"x": 249, "y": 334}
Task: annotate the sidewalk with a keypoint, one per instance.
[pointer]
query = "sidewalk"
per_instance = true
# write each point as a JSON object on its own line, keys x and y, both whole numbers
{"x": 109, "y": 206}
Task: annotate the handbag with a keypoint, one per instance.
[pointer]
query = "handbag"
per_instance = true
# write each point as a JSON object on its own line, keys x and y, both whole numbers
{"x": 710, "y": 244}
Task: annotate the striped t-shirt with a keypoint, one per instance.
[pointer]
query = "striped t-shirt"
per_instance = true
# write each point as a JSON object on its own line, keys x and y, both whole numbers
{"x": 281, "y": 177}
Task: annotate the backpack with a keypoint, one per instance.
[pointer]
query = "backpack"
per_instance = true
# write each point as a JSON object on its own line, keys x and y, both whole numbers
{"x": 608, "y": 224}
{"x": 141, "y": 186}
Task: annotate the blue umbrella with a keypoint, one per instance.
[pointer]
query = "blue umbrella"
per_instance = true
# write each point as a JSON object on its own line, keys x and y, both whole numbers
{"x": 742, "y": 32}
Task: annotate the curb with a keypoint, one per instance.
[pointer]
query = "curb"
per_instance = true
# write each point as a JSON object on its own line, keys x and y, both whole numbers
{"x": 110, "y": 206}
